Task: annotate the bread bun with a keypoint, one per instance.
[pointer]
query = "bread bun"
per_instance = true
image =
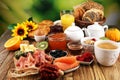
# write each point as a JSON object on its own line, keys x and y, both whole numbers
{"x": 43, "y": 28}
{"x": 31, "y": 34}
{"x": 78, "y": 12}
{"x": 47, "y": 22}
{"x": 91, "y": 4}
{"x": 93, "y": 15}
{"x": 81, "y": 9}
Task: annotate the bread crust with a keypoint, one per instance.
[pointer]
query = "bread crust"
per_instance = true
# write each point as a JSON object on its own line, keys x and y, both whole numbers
{"x": 43, "y": 28}
{"x": 93, "y": 15}
{"x": 91, "y": 4}
{"x": 81, "y": 10}
{"x": 47, "y": 22}
{"x": 78, "y": 12}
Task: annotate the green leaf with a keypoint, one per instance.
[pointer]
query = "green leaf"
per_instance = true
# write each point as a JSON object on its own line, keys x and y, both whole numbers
{"x": 11, "y": 26}
{"x": 30, "y": 19}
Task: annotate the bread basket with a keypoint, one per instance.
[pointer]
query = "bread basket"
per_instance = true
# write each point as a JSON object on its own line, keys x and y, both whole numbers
{"x": 84, "y": 24}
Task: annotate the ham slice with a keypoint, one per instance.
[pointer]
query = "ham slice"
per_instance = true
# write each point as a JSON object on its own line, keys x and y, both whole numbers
{"x": 25, "y": 62}
{"x": 32, "y": 60}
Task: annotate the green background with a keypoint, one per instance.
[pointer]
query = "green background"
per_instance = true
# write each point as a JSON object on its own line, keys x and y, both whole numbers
{"x": 14, "y": 11}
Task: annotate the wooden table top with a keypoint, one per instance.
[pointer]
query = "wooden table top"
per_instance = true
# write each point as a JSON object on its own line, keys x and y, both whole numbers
{"x": 94, "y": 71}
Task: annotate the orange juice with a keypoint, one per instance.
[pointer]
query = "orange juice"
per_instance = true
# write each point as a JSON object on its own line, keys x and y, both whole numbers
{"x": 67, "y": 20}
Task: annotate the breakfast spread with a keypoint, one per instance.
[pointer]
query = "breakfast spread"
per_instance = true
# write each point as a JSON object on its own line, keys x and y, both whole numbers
{"x": 66, "y": 42}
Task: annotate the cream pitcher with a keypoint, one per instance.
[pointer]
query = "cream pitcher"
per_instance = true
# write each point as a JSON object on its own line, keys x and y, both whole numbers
{"x": 95, "y": 30}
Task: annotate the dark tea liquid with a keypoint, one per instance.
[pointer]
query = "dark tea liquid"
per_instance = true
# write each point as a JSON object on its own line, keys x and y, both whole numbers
{"x": 75, "y": 48}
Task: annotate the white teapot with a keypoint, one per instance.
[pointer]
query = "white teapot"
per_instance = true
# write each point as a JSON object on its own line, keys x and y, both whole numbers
{"x": 95, "y": 30}
{"x": 74, "y": 33}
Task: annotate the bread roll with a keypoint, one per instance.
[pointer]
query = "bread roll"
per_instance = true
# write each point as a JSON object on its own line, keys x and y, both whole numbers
{"x": 93, "y": 15}
{"x": 81, "y": 9}
{"x": 78, "y": 12}
{"x": 91, "y": 4}
{"x": 31, "y": 34}
{"x": 43, "y": 29}
{"x": 47, "y": 22}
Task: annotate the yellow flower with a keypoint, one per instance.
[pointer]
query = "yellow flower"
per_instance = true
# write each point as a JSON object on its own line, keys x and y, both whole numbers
{"x": 20, "y": 30}
{"x": 30, "y": 25}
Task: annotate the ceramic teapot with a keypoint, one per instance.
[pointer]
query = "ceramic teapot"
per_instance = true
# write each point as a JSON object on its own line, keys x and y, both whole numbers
{"x": 74, "y": 33}
{"x": 95, "y": 30}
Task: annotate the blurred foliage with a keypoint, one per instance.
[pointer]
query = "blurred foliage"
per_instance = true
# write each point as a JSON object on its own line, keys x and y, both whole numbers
{"x": 14, "y": 11}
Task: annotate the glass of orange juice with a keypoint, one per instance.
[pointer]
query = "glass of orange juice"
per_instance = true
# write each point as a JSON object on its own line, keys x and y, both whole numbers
{"x": 67, "y": 18}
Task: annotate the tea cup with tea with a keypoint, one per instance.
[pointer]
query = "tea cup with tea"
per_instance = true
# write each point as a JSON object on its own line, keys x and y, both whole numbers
{"x": 106, "y": 52}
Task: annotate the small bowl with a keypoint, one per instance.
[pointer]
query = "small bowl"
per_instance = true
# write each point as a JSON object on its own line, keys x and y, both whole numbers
{"x": 75, "y": 48}
{"x": 86, "y": 58}
{"x": 58, "y": 53}
{"x": 39, "y": 38}
{"x": 87, "y": 46}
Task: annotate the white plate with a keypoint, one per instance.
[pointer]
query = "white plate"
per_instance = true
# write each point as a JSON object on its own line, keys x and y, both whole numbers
{"x": 70, "y": 70}
{"x": 86, "y": 63}
{"x": 57, "y": 22}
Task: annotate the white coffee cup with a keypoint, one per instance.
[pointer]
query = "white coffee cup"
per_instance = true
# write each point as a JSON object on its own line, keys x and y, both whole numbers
{"x": 106, "y": 57}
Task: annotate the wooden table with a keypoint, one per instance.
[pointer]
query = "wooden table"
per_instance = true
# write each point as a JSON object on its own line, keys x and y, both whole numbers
{"x": 91, "y": 72}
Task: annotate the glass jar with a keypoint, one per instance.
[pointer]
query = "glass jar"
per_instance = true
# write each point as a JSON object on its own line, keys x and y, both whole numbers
{"x": 57, "y": 41}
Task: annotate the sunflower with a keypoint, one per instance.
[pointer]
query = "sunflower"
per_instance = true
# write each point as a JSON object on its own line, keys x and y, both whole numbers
{"x": 20, "y": 30}
{"x": 30, "y": 25}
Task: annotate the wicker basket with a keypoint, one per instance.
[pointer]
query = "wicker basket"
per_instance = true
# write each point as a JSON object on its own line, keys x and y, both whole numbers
{"x": 83, "y": 24}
